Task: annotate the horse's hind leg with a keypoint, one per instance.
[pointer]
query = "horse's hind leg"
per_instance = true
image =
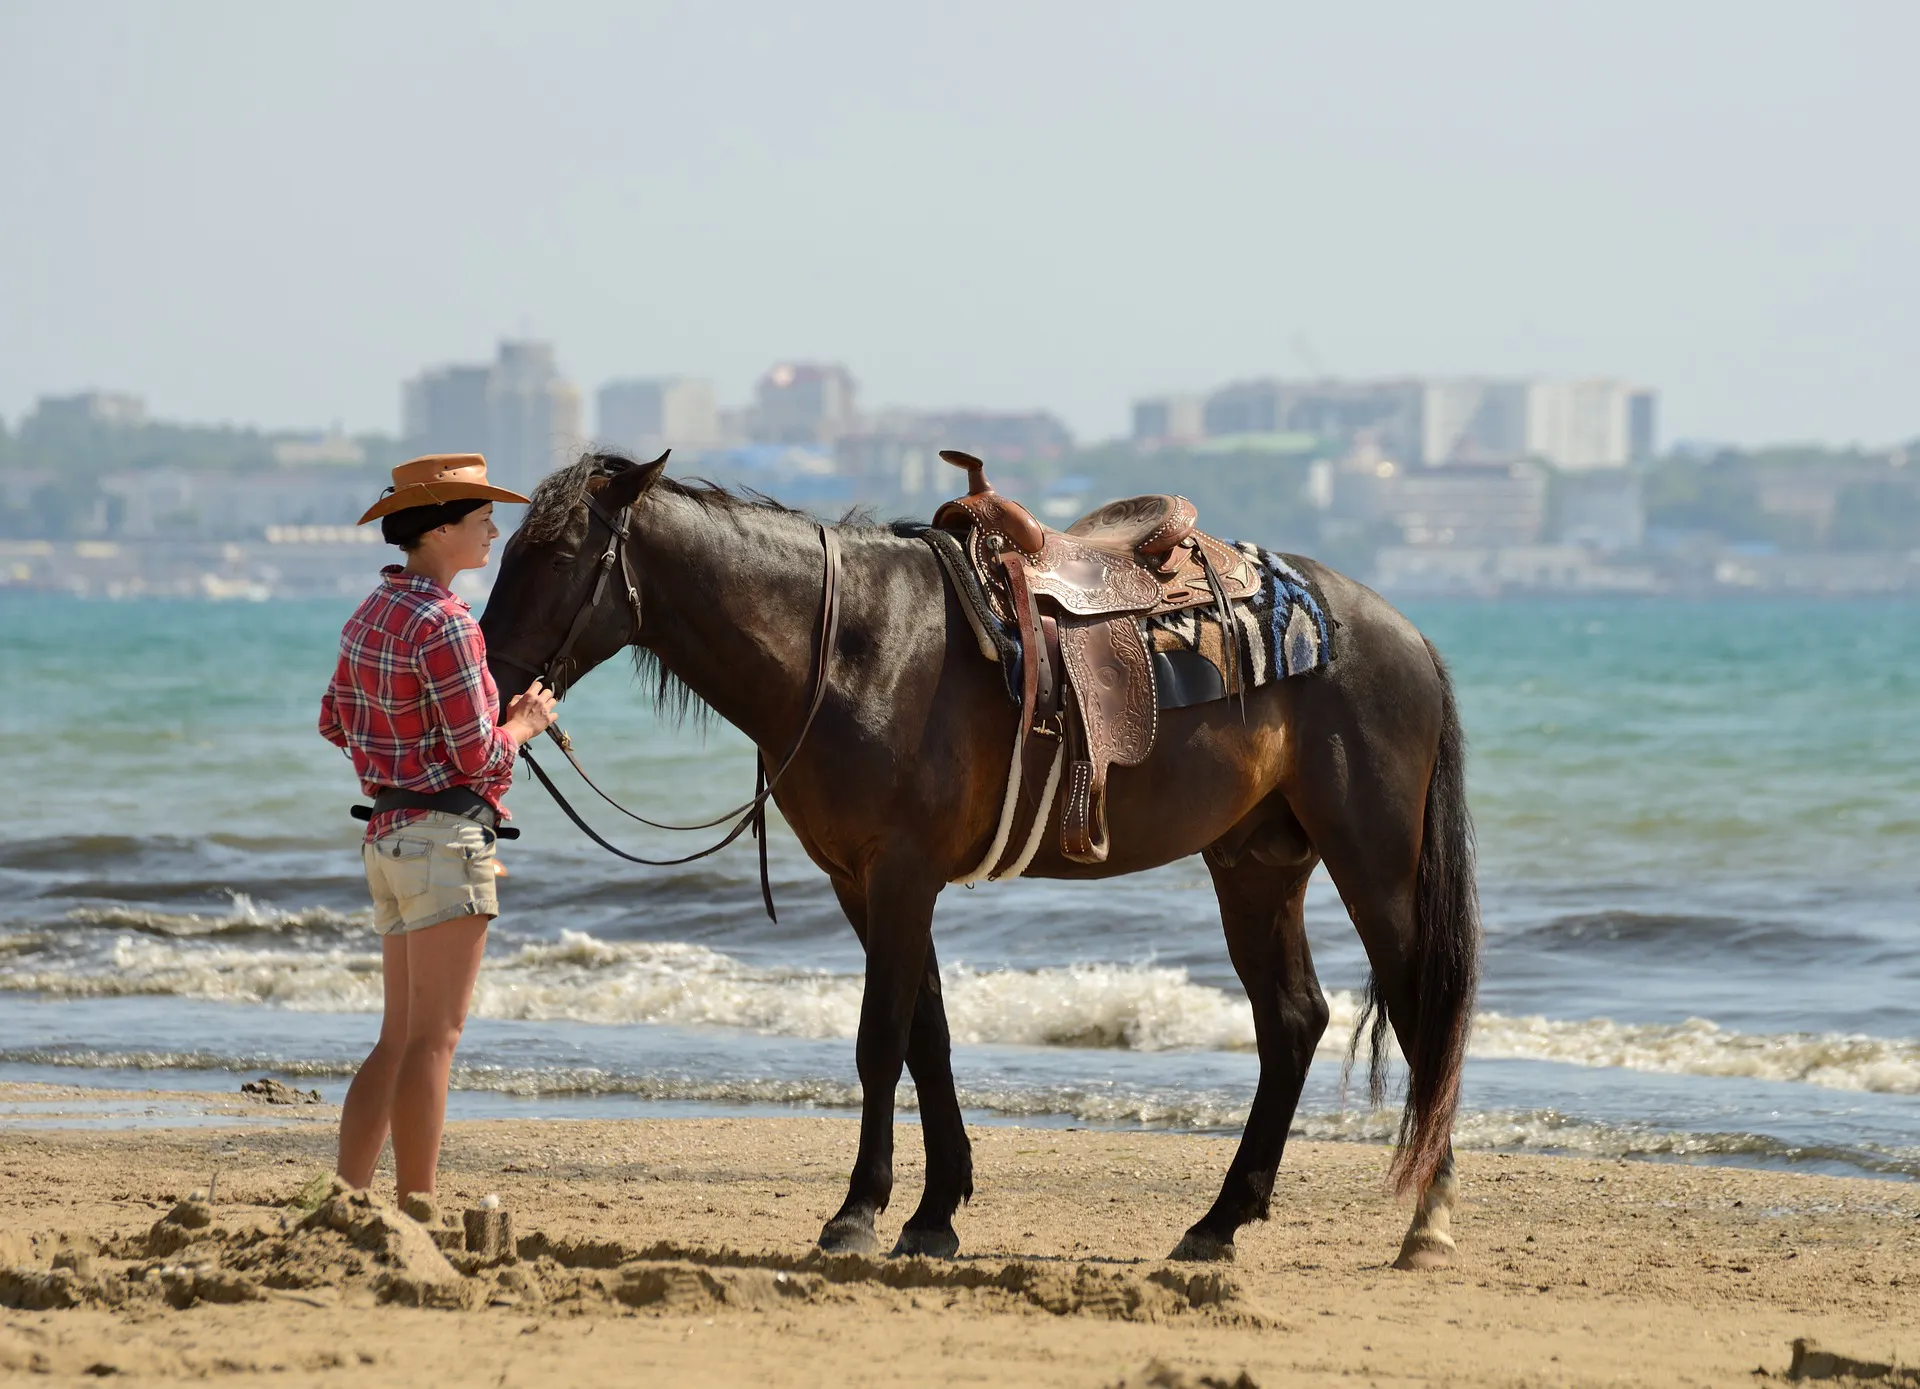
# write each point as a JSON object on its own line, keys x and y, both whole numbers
{"x": 1429, "y": 1240}
{"x": 929, "y": 1230}
{"x": 1261, "y": 907}
{"x": 1371, "y": 841}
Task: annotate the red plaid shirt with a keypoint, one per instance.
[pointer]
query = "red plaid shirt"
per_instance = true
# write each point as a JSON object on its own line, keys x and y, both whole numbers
{"x": 412, "y": 700}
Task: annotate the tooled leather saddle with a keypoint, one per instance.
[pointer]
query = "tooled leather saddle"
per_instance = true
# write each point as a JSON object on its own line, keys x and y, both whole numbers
{"x": 1076, "y": 599}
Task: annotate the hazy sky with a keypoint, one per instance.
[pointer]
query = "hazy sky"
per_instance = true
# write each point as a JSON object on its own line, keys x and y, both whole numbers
{"x": 273, "y": 213}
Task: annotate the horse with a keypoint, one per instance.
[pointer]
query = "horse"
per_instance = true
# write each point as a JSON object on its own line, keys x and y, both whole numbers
{"x": 896, "y": 787}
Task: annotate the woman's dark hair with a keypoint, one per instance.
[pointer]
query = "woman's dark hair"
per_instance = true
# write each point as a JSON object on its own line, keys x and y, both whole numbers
{"x": 404, "y": 528}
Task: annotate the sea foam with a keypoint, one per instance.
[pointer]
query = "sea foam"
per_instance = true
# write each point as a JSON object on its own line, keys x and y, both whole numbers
{"x": 1204, "y": 1110}
{"x": 1133, "y": 1007}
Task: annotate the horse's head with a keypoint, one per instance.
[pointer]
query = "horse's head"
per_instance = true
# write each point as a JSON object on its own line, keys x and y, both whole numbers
{"x": 566, "y": 597}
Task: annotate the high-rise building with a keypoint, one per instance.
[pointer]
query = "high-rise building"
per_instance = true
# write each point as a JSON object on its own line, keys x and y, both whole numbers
{"x": 1245, "y": 407}
{"x": 1573, "y": 425}
{"x": 645, "y": 416}
{"x": 533, "y": 415}
{"x": 1169, "y": 419}
{"x": 1473, "y": 420}
{"x": 1642, "y": 422}
{"x": 1576, "y": 425}
{"x": 519, "y": 412}
{"x": 804, "y": 403}
{"x": 445, "y": 410}
{"x": 1386, "y": 412}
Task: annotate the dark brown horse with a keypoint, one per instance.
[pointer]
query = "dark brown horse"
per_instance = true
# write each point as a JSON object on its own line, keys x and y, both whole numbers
{"x": 897, "y": 788}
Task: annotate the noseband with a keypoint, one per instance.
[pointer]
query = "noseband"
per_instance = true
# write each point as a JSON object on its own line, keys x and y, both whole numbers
{"x": 749, "y": 814}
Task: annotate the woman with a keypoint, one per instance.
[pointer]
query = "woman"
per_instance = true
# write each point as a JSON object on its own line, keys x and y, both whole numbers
{"x": 413, "y": 704}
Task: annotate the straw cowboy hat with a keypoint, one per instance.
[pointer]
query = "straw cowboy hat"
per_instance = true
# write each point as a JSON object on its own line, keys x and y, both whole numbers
{"x": 436, "y": 478}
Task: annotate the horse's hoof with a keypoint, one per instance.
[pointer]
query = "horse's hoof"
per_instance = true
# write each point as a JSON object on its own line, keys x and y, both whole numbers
{"x": 1198, "y": 1248}
{"x": 1422, "y": 1252}
{"x": 926, "y": 1244}
{"x": 848, "y": 1237}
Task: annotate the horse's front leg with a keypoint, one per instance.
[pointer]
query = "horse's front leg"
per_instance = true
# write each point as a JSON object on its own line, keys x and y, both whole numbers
{"x": 929, "y": 1230}
{"x": 899, "y": 923}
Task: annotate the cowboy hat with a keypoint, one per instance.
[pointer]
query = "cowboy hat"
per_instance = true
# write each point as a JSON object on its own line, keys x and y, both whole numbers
{"x": 436, "y": 478}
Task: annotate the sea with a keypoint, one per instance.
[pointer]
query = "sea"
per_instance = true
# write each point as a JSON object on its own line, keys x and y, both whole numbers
{"x": 1699, "y": 829}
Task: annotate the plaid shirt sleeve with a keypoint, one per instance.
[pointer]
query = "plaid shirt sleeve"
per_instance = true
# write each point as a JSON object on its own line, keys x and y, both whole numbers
{"x": 330, "y": 726}
{"x": 452, "y": 665}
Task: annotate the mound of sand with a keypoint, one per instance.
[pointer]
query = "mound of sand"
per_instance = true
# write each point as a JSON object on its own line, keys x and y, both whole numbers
{"x": 356, "y": 1242}
{"x": 354, "y": 1239}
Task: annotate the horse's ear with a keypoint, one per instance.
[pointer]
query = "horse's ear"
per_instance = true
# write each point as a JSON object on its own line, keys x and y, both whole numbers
{"x": 629, "y": 485}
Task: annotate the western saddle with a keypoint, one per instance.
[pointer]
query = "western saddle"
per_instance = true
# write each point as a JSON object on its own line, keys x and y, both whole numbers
{"x": 1076, "y": 599}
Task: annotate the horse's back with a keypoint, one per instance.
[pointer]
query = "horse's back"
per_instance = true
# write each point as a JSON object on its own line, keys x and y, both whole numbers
{"x": 1219, "y": 770}
{"x": 1372, "y": 638}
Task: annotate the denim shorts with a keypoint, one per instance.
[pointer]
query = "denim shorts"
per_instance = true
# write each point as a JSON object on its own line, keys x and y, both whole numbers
{"x": 436, "y": 869}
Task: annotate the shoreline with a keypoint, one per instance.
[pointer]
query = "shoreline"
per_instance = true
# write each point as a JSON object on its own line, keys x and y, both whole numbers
{"x": 1571, "y": 1270}
{"x": 113, "y": 1103}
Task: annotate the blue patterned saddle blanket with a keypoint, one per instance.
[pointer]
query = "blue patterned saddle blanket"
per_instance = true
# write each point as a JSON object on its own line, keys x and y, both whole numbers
{"x": 1281, "y": 630}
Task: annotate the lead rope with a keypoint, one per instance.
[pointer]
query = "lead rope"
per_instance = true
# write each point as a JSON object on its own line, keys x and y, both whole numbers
{"x": 760, "y": 834}
{"x": 573, "y": 815}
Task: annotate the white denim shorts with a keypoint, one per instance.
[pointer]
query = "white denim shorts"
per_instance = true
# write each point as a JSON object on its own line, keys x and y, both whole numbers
{"x": 436, "y": 869}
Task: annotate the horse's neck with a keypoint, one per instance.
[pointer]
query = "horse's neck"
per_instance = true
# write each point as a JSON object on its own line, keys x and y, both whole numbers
{"x": 733, "y": 610}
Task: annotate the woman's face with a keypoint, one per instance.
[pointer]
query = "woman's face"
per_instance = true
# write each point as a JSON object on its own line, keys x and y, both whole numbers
{"x": 466, "y": 543}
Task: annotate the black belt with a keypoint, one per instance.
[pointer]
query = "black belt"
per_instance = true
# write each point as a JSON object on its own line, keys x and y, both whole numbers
{"x": 463, "y": 801}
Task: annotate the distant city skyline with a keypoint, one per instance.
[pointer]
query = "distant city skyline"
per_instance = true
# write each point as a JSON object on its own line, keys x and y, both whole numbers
{"x": 1420, "y": 484}
{"x": 522, "y": 411}
{"x": 714, "y": 406}
{"x": 268, "y": 215}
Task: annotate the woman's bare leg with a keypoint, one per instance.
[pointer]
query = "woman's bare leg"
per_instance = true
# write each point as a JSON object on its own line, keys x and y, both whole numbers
{"x": 442, "y": 963}
{"x": 363, "y": 1118}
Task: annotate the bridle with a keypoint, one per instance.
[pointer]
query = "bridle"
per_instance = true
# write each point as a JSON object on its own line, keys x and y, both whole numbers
{"x": 618, "y": 529}
{"x": 750, "y": 814}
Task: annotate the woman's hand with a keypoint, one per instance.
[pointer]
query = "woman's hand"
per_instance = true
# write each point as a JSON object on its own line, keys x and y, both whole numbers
{"x": 528, "y": 715}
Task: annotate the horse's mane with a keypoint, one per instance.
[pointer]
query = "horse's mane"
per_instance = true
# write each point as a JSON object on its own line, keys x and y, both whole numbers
{"x": 555, "y": 499}
{"x": 560, "y": 493}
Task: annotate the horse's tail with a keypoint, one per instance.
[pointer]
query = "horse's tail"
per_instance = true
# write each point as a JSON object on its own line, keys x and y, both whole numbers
{"x": 1447, "y": 948}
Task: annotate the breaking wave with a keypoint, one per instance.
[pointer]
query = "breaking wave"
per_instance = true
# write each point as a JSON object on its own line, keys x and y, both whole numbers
{"x": 242, "y": 918}
{"x": 1830, "y": 1060}
{"x": 1139, "y": 1007}
{"x": 580, "y": 978}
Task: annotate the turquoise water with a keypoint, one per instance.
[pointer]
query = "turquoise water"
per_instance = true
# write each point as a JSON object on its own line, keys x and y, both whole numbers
{"x": 1700, "y": 839}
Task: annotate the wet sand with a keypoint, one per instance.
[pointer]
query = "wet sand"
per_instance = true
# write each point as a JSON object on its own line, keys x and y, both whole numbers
{"x": 679, "y": 1251}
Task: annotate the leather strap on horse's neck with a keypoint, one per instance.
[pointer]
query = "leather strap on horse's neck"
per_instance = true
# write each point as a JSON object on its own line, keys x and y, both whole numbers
{"x": 751, "y": 813}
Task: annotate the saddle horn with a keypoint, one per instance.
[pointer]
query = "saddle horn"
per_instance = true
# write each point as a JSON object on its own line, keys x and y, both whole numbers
{"x": 977, "y": 484}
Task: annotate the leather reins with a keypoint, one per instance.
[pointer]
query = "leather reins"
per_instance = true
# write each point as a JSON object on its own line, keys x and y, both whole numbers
{"x": 749, "y": 814}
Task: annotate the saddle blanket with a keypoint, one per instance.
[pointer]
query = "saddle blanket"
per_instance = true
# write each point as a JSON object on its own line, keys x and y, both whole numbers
{"x": 1282, "y": 630}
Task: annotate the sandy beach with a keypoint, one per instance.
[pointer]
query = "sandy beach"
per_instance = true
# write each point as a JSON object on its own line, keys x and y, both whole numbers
{"x": 680, "y": 1251}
